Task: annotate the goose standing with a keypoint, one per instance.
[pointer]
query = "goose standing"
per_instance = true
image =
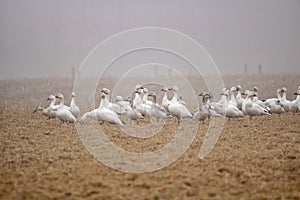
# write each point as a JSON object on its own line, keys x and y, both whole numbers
{"x": 232, "y": 97}
{"x": 74, "y": 109}
{"x": 165, "y": 101}
{"x": 202, "y": 113}
{"x": 177, "y": 109}
{"x": 105, "y": 114}
{"x": 64, "y": 114}
{"x": 295, "y": 107}
{"x": 239, "y": 98}
{"x": 155, "y": 110}
{"x": 112, "y": 106}
{"x": 231, "y": 111}
{"x": 286, "y": 103}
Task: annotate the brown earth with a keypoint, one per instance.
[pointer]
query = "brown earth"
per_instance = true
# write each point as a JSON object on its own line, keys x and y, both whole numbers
{"x": 42, "y": 159}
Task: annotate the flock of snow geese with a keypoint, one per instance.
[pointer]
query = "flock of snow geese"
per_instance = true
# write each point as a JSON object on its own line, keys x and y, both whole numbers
{"x": 143, "y": 104}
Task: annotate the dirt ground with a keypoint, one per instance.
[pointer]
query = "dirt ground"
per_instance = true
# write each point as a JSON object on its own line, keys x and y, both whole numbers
{"x": 42, "y": 159}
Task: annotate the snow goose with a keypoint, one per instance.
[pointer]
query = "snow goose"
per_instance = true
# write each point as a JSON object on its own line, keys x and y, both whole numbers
{"x": 211, "y": 108}
{"x": 157, "y": 111}
{"x": 64, "y": 114}
{"x": 274, "y": 103}
{"x": 232, "y": 97}
{"x": 44, "y": 110}
{"x": 257, "y": 101}
{"x": 123, "y": 103}
{"x": 253, "y": 109}
{"x": 165, "y": 101}
{"x": 269, "y": 101}
{"x": 295, "y": 107}
{"x": 286, "y": 103}
{"x": 74, "y": 109}
{"x": 177, "y": 109}
{"x": 145, "y": 97}
{"x": 48, "y": 112}
{"x": 202, "y": 113}
{"x": 138, "y": 103}
{"x": 239, "y": 98}
{"x": 105, "y": 114}
{"x": 90, "y": 114}
{"x": 231, "y": 111}
{"x": 112, "y": 106}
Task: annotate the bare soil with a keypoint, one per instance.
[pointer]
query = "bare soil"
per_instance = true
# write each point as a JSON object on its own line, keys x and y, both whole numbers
{"x": 42, "y": 159}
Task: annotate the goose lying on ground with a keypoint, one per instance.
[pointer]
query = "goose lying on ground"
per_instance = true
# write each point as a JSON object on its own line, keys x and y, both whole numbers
{"x": 62, "y": 113}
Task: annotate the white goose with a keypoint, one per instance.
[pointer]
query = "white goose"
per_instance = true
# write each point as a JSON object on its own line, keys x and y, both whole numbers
{"x": 211, "y": 108}
{"x": 105, "y": 114}
{"x": 64, "y": 114}
{"x": 48, "y": 112}
{"x": 74, "y": 109}
{"x": 274, "y": 103}
{"x": 253, "y": 109}
{"x": 231, "y": 111}
{"x": 165, "y": 101}
{"x": 232, "y": 97}
{"x": 203, "y": 112}
{"x": 269, "y": 101}
{"x": 177, "y": 109}
{"x": 286, "y": 103}
{"x": 145, "y": 97}
{"x": 296, "y": 103}
{"x": 90, "y": 114}
{"x": 112, "y": 106}
{"x": 44, "y": 110}
{"x": 125, "y": 105}
{"x": 239, "y": 98}
{"x": 156, "y": 111}
{"x": 257, "y": 101}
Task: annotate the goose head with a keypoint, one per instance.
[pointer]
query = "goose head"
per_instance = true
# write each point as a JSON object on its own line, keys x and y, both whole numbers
{"x": 145, "y": 91}
{"x": 138, "y": 87}
{"x": 119, "y": 98}
{"x": 105, "y": 91}
{"x": 255, "y": 89}
{"x": 174, "y": 89}
{"x": 139, "y": 91}
{"x": 233, "y": 89}
{"x": 73, "y": 94}
{"x": 238, "y": 88}
{"x": 59, "y": 96}
{"x": 51, "y": 97}
{"x": 152, "y": 94}
{"x": 297, "y": 93}
{"x": 165, "y": 89}
{"x": 283, "y": 89}
{"x": 279, "y": 91}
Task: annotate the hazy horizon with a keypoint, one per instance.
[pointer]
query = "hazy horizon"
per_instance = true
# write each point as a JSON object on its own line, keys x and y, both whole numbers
{"x": 50, "y": 38}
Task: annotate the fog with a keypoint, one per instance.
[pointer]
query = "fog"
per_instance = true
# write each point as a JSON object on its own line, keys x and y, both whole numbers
{"x": 50, "y": 37}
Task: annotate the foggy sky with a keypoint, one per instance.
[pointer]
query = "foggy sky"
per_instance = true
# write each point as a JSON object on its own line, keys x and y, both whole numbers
{"x": 42, "y": 38}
